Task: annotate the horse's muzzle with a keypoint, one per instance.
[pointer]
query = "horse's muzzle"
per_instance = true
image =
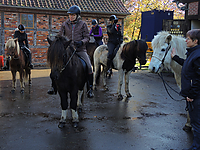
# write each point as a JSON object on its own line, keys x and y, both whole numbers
{"x": 143, "y": 62}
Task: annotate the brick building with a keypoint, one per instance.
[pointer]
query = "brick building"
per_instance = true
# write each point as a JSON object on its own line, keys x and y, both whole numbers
{"x": 43, "y": 18}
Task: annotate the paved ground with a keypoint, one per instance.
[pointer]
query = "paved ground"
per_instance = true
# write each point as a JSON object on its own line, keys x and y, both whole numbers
{"x": 150, "y": 120}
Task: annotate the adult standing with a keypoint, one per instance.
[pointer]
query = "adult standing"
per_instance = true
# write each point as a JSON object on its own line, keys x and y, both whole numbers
{"x": 190, "y": 82}
{"x": 76, "y": 30}
{"x": 96, "y": 31}
{"x": 115, "y": 38}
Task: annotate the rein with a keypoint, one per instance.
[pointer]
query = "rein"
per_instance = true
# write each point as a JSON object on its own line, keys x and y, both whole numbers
{"x": 68, "y": 61}
{"x": 165, "y": 83}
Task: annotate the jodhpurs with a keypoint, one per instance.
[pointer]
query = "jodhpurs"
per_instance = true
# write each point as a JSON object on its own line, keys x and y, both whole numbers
{"x": 85, "y": 56}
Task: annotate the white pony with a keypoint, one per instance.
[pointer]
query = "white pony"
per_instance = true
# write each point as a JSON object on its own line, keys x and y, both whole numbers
{"x": 162, "y": 45}
{"x": 124, "y": 61}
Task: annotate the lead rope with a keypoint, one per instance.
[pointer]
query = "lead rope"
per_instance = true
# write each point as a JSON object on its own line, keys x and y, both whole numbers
{"x": 165, "y": 83}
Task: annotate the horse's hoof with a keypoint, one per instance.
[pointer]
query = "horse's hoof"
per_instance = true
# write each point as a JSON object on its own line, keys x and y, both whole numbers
{"x": 129, "y": 95}
{"x": 75, "y": 124}
{"x": 79, "y": 110}
{"x": 187, "y": 128}
{"x": 61, "y": 125}
{"x": 22, "y": 91}
{"x": 120, "y": 97}
{"x": 106, "y": 88}
{"x": 13, "y": 91}
{"x": 95, "y": 88}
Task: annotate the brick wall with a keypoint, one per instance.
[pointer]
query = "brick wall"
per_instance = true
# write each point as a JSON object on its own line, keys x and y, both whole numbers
{"x": 46, "y": 25}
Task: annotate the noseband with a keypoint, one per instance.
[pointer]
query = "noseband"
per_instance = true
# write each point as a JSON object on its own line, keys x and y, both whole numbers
{"x": 167, "y": 50}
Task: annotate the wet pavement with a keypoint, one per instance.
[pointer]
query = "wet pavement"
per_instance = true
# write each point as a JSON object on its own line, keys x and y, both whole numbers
{"x": 149, "y": 120}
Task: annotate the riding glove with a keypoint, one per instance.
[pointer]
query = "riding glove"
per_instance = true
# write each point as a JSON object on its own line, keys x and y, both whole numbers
{"x": 78, "y": 43}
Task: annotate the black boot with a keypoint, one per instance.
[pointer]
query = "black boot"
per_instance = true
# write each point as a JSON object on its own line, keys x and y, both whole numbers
{"x": 30, "y": 60}
{"x": 6, "y": 67}
{"x": 53, "y": 90}
{"x": 90, "y": 89}
{"x": 28, "y": 52}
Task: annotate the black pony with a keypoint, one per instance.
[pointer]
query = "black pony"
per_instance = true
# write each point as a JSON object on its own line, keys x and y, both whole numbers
{"x": 69, "y": 74}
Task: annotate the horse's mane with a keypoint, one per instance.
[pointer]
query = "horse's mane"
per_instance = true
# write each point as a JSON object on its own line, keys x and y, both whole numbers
{"x": 177, "y": 42}
{"x": 12, "y": 43}
{"x": 127, "y": 50}
{"x": 57, "y": 54}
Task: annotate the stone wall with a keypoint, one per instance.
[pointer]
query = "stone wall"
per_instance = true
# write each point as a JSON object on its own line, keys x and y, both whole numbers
{"x": 44, "y": 25}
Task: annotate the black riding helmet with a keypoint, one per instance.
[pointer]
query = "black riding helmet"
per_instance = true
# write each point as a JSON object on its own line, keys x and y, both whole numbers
{"x": 113, "y": 17}
{"x": 74, "y": 10}
{"x": 21, "y": 27}
{"x": 94, "y": 22}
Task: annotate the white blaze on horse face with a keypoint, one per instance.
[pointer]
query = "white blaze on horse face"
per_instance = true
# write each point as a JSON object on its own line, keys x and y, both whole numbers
{"x": 157, "y": 57}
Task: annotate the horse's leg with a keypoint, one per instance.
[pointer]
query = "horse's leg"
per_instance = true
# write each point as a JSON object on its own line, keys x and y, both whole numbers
{"x": 21, "y": 74}
{"x": 120, "y": 82}
{"x": 29, "y": 76}
{"x": 64, "y": 106}
{"x": 79, "y": 101}
{"x": 126, "y": 78}
{"x": 73, "y": 106}
{"x": 13, "y": 80}
{"x": 104, "y": 78}
{"x": 96, "y": 68}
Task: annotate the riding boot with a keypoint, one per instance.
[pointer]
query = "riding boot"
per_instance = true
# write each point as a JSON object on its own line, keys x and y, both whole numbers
{"x": 53, "y": 90}
{"x": 30, "y": 60}
{"x": 90, "y": 89}
{"x": 6, "y": 67}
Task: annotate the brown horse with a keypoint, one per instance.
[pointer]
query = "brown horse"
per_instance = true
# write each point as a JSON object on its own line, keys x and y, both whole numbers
{"x": 17, "y": 63}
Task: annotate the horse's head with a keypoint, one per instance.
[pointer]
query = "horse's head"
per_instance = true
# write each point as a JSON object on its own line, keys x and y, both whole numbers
{"x": 162, "y": 45}
{"x": 12, "y": 47}
{"x": 141, "y": 51}
{"x": 56, "y": 51}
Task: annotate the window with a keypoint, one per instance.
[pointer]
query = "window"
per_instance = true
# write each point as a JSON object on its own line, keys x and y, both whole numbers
{"x": 27, "y": 20}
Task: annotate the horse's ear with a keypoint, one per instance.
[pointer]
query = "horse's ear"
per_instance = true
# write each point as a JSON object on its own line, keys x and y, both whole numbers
{"x": 169, "y": 38}
{"x": 49, "y": 40}
{"x": 67, "y": 43}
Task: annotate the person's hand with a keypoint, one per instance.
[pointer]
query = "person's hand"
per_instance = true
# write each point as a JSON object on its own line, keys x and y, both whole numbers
{"x": 92, "y": 34}
{"x": 78, "y": 43}
{"x": 173, "y": 53}
{"x": 189, "y": 99}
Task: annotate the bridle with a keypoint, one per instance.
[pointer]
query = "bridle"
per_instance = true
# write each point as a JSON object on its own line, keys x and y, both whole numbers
{"x": 13, "y": 55}
{"x": 166, "y": 51}
{"x": 63, "y": 68}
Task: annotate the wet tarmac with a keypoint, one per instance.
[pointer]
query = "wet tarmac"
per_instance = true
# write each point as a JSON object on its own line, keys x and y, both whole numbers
{"x": 149, "y": 120}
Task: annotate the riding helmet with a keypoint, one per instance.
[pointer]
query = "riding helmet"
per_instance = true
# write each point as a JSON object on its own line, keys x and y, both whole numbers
{"x": 21, "y": 27}
{"x": 113, "y": 17}
{"x": 74, "y": 10}
{"x": 94, "y": 22}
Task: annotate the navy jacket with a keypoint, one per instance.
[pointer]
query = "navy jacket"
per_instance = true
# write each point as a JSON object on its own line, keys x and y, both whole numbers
{"x": 114, "y": 34}
{"x": 190, "y": 74}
